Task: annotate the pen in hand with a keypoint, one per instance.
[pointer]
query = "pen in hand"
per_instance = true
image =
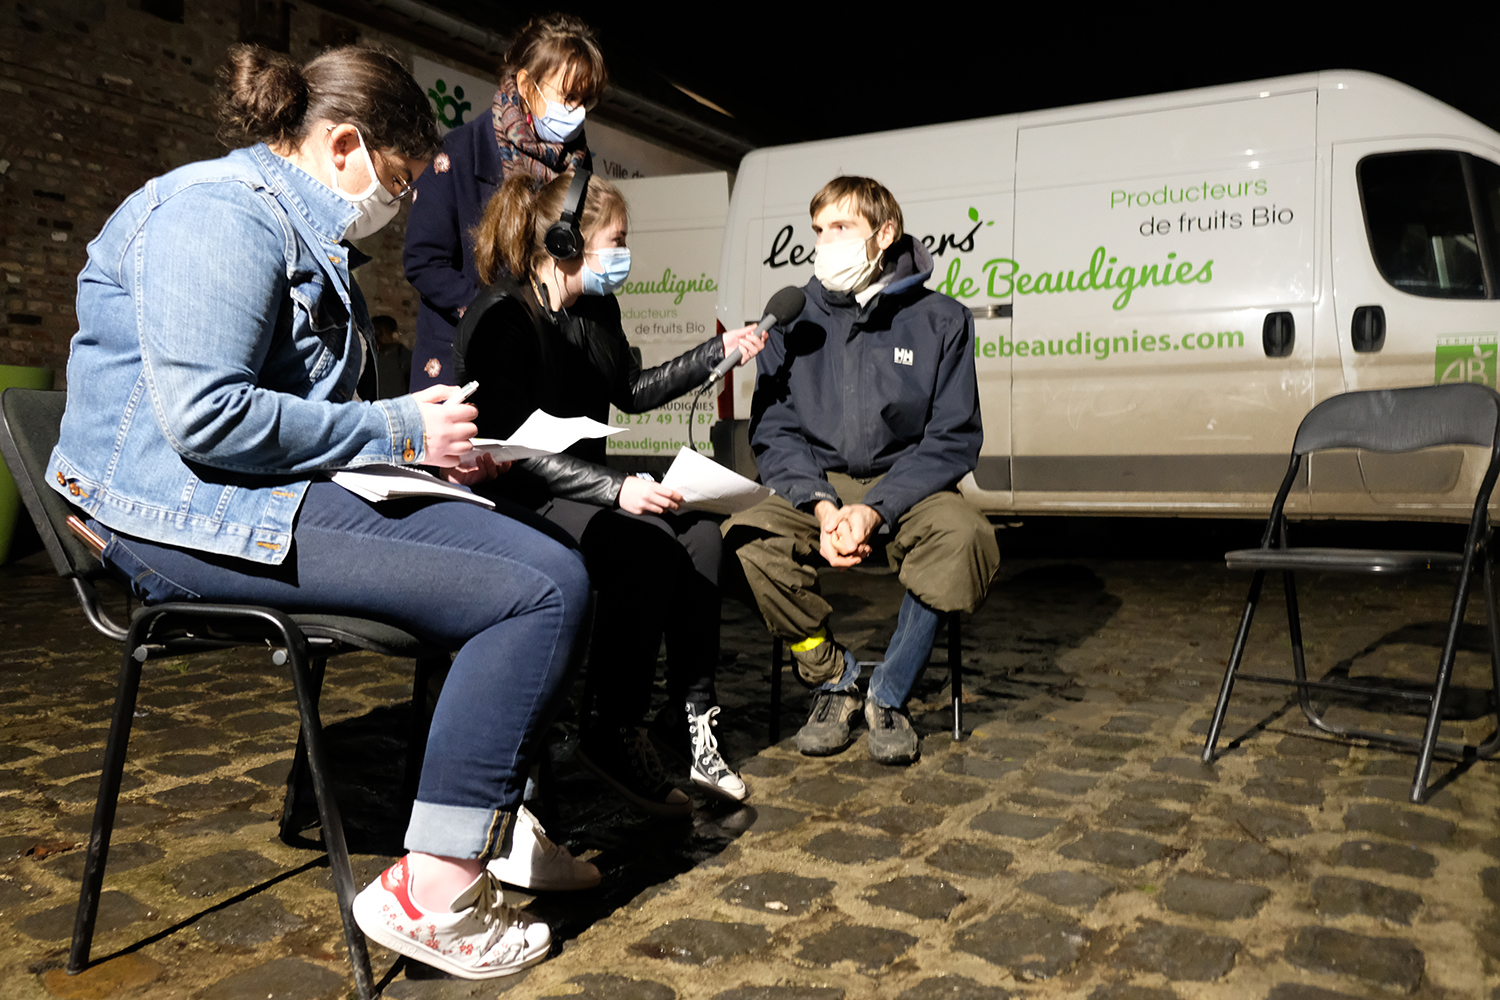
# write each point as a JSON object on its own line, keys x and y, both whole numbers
{"x": 462, "y": 394}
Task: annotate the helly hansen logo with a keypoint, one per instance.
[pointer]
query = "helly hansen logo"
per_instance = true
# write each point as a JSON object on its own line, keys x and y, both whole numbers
{"x": 904, "y": 356}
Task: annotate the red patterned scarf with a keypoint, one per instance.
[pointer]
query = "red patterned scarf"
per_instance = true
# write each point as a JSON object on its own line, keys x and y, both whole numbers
{"x": 519, "y": 145}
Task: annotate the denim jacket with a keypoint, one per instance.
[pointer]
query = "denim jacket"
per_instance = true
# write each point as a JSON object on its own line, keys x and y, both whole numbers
{"x": 215, "y": 370}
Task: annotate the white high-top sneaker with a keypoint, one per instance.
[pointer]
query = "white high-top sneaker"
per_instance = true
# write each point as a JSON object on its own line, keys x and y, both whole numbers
{"x": 534, "y": 862}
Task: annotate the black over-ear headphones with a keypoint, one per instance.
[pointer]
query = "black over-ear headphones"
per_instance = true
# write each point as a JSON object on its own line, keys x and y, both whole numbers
{"x": 563, "y": 240}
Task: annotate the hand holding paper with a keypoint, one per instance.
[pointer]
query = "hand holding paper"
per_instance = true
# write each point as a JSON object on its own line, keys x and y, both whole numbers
{"x": 707, "y": 485}
{"x": 543, "y": 434}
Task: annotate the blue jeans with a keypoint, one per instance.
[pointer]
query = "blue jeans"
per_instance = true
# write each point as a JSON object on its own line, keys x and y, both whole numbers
{"x": 506, "y": 597}
{"x": 892, "y": 679}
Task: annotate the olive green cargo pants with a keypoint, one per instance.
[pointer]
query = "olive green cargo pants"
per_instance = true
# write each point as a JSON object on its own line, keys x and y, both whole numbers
{"x": 944, "y": 550}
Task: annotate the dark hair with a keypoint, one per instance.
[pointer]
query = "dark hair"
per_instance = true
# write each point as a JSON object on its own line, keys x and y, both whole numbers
{"x": 559, "y": 41}
{"x": 265, "y": 97}
{"x": 871, "y": 199}
{"x": 509, "y": 236}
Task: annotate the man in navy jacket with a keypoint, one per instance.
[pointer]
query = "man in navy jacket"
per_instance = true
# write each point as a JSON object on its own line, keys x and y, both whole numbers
{"x": 865, "y": 417}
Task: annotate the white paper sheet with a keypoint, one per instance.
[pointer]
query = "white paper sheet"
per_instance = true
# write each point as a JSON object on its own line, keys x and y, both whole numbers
{"x": 707, "y": 485}
{"x": 392, "y": 482}
{"x": 543, "y": 434}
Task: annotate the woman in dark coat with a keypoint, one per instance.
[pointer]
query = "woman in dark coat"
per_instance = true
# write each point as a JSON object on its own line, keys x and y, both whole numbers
{"x": 552, "y": 73}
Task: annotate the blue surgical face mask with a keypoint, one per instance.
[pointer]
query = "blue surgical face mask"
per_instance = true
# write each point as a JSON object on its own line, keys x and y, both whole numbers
{"x": 560, "y": 123}
{"x": 616, "y": 264}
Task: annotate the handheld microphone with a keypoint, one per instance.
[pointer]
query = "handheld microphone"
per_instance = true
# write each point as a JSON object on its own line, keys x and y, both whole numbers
{"x": 784, "y": 307}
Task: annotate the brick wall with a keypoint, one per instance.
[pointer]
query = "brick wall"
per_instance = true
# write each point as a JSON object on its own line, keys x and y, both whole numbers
{"x": 98, "y": 96}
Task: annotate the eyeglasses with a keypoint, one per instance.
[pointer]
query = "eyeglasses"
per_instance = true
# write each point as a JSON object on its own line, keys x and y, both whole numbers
{"x": 568, "y": 101}
{"x": 406, "y": 191}
{"x": 404, "y": 187}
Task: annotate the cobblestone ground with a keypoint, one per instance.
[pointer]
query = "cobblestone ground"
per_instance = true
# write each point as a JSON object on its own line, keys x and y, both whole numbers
{"x": 1070, "y": 846}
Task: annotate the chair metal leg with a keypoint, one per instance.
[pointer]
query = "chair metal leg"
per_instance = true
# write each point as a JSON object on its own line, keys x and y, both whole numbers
{"x": 109, "y": 795}
{"x": 328, "y": 810}
{"x": 1235, "y": 654}
{"x": 777, "y": 647}
{"x": 1299, "y": 658}
{"x": 297, "y": 778}
{"x": 1440, "y": 688}
{"x": 955, "y": 672}
{"x": 1491, "y": 743}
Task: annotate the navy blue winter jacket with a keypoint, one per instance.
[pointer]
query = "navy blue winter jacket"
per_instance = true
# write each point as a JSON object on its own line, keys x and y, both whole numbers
{"x": 439, "y": 255}
{"x": 887, "y": 388}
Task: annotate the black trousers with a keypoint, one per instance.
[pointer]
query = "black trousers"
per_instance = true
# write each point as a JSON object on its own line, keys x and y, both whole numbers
{"x": 656, "y": 577}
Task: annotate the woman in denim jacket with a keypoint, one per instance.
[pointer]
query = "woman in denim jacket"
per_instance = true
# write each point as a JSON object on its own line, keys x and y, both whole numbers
{"x": 224, "y": 363}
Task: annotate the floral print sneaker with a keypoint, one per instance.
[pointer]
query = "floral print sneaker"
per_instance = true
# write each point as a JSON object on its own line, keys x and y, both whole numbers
{"x": 479, "y": 938}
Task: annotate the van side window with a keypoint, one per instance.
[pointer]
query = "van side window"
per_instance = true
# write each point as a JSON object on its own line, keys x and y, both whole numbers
{"x": 1487, "y": 196}
{"x": 1420, "y": 213}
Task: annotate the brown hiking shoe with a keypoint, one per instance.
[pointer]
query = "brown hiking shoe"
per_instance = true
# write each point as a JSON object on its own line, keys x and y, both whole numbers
{"x": 827, "y": 728}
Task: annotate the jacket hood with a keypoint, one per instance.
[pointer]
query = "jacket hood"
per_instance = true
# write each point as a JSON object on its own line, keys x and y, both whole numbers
{"x": 907, "y": 265}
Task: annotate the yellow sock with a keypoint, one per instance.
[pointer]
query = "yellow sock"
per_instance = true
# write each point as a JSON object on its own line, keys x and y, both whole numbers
{"x": 811, "y": 642}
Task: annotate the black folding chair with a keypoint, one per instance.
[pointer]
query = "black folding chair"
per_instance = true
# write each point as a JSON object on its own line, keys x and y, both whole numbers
{"x": 29, "y": 426}
{"x": 1386, "y": 420}
{"x": 954, "y": 628}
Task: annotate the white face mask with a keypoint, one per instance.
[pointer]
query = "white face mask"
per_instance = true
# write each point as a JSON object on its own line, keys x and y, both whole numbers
{"x": 846, "y": 266}
{"x": 376, "y": 205}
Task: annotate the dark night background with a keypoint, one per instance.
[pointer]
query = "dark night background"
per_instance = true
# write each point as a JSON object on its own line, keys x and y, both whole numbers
{"x": 789, "y": 74}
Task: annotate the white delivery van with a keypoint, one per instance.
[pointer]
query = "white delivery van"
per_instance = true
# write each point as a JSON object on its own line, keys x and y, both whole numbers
{"x": 1164, "y": 286}
{"x": 667, "y": 305}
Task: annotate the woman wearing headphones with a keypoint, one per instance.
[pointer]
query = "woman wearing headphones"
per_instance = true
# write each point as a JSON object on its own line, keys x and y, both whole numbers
{"x": 552, "y": 73}
{"x": 550, "y": 338}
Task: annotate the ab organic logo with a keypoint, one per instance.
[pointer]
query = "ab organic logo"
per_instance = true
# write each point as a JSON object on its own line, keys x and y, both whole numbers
{"x": 1466, "y": 358}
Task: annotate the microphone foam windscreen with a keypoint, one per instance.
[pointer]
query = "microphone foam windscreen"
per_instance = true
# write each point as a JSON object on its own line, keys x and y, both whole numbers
{"x": 787, "y": 304}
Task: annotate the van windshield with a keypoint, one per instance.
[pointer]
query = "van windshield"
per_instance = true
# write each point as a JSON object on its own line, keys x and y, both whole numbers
{"x": 1420, "y": 210}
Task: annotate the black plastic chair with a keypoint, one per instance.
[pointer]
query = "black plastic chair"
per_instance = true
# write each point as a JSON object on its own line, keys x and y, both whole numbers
{"x": 1387, "y": 420}
{"x": 954, "y": 628}
{"x": 29, "y": 425}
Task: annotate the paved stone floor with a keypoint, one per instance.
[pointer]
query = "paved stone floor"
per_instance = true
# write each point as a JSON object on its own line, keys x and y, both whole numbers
{"x": 1070, "y": 846}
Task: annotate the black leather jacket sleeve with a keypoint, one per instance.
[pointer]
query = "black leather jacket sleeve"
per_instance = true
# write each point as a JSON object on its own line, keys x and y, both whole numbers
{"x": 650, "y": 388}
{"x": 524, "y": 360}
{"x": 569, "y": 477}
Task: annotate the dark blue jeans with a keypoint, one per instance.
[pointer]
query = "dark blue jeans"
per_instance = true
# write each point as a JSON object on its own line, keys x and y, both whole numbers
{"x": 506, "y": 597}
{"x": 654, "y": 576}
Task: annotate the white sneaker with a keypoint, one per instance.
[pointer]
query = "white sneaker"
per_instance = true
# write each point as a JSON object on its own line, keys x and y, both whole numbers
{"x": 480, "y": 938}
{"x": 708, "y": 769}
{"x": 534, "y": 862}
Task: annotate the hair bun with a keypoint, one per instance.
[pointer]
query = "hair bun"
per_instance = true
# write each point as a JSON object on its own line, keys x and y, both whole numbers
{"x": 263, "y": 96}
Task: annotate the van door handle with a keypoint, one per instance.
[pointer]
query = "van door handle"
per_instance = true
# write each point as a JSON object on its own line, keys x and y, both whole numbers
{"x": 1367, "y": 331}
{"x": 1278, "y": 334}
